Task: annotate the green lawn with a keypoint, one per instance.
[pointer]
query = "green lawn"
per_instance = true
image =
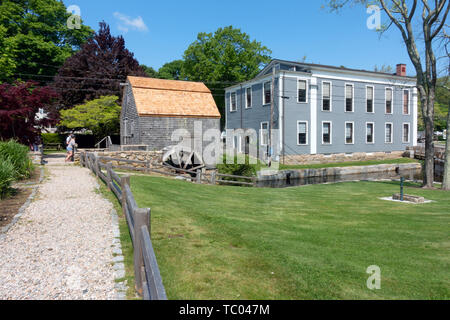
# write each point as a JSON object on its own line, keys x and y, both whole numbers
{"x": 312, "y": 242}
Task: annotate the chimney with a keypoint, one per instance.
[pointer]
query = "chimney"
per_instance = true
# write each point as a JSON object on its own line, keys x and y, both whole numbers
{"x": 401, "y": 70}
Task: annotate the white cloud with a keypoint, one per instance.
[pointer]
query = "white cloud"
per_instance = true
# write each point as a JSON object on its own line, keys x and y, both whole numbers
{"x": 126, "y": 22}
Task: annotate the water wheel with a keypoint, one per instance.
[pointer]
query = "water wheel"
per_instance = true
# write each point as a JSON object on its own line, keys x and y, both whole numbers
{"x": 182, "y": 158}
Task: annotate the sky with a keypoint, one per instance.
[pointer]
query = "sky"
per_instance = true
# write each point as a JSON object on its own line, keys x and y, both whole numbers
{"x": 160, "y": 31}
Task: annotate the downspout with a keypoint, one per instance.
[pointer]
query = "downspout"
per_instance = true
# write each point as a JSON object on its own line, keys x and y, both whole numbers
{"x": 242, "y": 121}
{"x": 282, "y": 119}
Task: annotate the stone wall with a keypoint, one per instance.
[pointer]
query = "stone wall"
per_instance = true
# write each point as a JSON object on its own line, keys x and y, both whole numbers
{"x": 339, "y": 157}
{"x": 154, "y": 157}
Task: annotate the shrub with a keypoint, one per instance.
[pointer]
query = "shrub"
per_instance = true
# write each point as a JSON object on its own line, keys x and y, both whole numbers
{"x": 51, "y": 138}
{"x": 6, "y": 177}
{"x": 17, "y": 155}
{"x": 243, "y": 169}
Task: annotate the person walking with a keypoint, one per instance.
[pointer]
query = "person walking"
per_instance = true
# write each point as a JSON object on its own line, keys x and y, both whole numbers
{"x": 70, "y": 148}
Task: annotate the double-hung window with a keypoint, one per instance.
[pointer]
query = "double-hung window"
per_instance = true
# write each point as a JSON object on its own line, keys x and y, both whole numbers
{"x": 369, "y": 99}
{"x": 302, "y": 132}
{"x": 349, "y": 132}
{"x": 233, "y": 105}
{"x": 267, "y": 94}
{"x": 406, "y": 102}
{"x": 348, "y": 98}
{"x": 302, "y": 91}
{"x": 370, "y": 136}
{"x": 264, "y": 134}
{"x": 326, "y": 132}
{"x": 406, "y": 133}
{"x": 248, "y": 97}
{"x": 389, "y": 96}
{"x": 326, "y": 96}
{"x": 388, "y": 133}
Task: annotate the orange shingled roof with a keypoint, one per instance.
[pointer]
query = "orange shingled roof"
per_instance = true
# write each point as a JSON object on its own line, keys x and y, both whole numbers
{"x": 172, "y": 98}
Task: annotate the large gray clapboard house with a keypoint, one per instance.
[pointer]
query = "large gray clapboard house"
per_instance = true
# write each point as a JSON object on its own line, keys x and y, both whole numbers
{"x": 326, "y": 110}
{"x": 152, "y": 109}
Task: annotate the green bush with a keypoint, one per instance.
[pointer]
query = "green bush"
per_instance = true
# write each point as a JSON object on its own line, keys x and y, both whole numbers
{"x": 6, "y": 177}
{"x": 48, "y": 138}
{"x": 243, "y": 169}
{"x": 17, "y": 155}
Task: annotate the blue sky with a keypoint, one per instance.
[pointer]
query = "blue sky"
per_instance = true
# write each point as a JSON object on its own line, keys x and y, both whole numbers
{"x": 160, "y": 31}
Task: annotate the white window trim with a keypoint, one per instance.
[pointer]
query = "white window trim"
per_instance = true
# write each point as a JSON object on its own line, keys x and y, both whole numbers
{"x": 385, "y": 99}
{"x": 262, "y": 132}
{"x": 263, "y": 95}
{"x": 403, "y": 132}
{"x": 307, "y": 89}
{"x": 409, "y": 102}
{"x": 231, "y": 101}
{"x": 392, "y": 132}
{"x": 331, "y": 132}
{"x": 331, "y": 96}
{"x": 373, "y": 99}
{"x": 307, "y": 132}
{"x": 251, "y": 98}
{"x": 353, "y": 97}
{"x": 373, "y": 132}
{"x": 353, "y": 132}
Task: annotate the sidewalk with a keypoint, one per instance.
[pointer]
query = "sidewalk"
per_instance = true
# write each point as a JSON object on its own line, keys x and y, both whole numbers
{"x": 61, "y": 248}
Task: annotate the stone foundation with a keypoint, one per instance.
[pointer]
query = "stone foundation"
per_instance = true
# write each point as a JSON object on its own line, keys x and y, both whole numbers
{"x": 339, "y": 157}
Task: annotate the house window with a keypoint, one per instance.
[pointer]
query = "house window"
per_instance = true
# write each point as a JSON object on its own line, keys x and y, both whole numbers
{"x": 388, "y": 133}
{"x": 326, "y": 96}
{"x": 326, "y": 132}
{"x": 348, "y": 98}
{"x": 389, "y": 100}
{"x": 406, "y": 102}
{"x": 125, "y": 127}
{"x": 267, "y": 93}
{"x": 264, "y": 133}
{"x": 233, "y": 105}
{"x": 370, "y": 132}
{"x": 369, "y": 99}
{"x": 302, "y": 88}
{"x": 349, "y": 132}
{"x": 248, "y": 97}
{"x": 302, "y": 132}
{"x": 406, "y": 133}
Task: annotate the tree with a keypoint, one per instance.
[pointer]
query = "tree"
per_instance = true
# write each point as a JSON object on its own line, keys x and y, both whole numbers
{"x": 446, "y": 180}
{"x": 96, "y": 70}
{"x": 19, "y": 104}
{"x": 224, "y": 58}
{"x": 384, "y": 68}
{"x": 431, "y": 17}
{"x": 35, "y": 40}
{"x": 171, "y": 70}
{"x": 101, "y": 116}
{"x": 149, "y": 71}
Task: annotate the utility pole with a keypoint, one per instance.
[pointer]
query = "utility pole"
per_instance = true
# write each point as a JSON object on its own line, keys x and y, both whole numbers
{"x": 272, "y": 100}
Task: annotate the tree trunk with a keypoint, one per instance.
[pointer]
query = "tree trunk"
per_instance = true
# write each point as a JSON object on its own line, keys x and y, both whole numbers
{"x": 446, "y": 181}
{"x": 428, "y": 178}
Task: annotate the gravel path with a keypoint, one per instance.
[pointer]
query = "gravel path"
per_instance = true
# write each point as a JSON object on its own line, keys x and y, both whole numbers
{"x": 61, "y": 246}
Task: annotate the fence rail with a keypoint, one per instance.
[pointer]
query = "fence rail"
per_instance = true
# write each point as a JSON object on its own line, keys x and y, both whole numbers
{"x": 196, "y": 173}
{"x": 148, "y": 279}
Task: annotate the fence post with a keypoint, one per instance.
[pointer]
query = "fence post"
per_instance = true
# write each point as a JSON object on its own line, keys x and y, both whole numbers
{"x": 96, "y": 166}
{"x": 213, "y": 177}
{"x": 199, "y": 176}
{"x": 41, "y": 151}
{"x": 109, "y": 175}
{"x": 147, "y": 166}
{"x": 141, "y": 217}
{"x": 124, "y": 180}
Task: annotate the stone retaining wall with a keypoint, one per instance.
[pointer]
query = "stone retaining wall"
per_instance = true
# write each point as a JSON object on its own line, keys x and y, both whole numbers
{"x": 339, "y": 157}
{"x": 322, "y": 172}
{"x": 154, "y": 157}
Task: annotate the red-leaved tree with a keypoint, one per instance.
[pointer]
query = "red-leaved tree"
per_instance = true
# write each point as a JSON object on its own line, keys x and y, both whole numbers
{"x": 19, "y": 103}
{"x": 96, "y": 70}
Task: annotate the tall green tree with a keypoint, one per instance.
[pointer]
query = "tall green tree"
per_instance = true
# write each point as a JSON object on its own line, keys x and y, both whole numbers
{"x": 35, "y": 40}
{"x": 149, "y": 71}
{"x": 421, "y": 23}
{"x": 171, "y": 70}
{"x": 101, "y": 116}
{"x": 223, "y": 58}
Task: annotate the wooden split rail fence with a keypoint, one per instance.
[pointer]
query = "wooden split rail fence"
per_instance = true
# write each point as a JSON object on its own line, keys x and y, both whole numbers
{"x": 148, "y": 279}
